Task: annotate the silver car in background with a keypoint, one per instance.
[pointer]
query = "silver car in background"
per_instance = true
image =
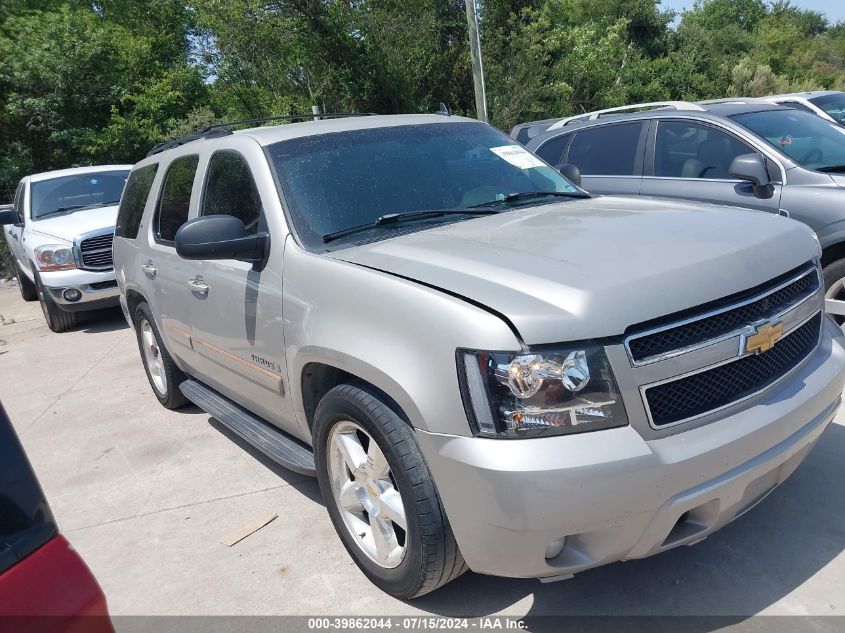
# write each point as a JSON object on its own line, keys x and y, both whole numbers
{"x": 484, "y": 366}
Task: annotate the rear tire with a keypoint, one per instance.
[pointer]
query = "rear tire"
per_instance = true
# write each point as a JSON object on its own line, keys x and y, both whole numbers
{"x": 27, "y": 288}
{"x": 834, "y": 288}
{"x": 392, "y": 486}
{"x": 162, "y": 372}
{"x": 58, "y": 320}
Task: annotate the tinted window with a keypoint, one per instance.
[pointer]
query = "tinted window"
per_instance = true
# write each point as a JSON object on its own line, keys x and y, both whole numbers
{"x": 133, "y": 201}
{"x": 690, "y": 150}
{"x": 25, "y": 519}
{"x": 347, "y": 179}
{"x": 797, "y": 105}
{"x": 80, "y": 191}
{"x": 175, "y": 197}
{"x": 552, "y": 150}
{"x": 230, "y": 190}
{"x": 809, "y": 140}
{"x": 833, "y": 104}
{"x": 608, "y": 150}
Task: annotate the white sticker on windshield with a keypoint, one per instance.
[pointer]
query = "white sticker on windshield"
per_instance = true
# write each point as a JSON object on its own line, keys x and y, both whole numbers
{"x": 517, "y": 155}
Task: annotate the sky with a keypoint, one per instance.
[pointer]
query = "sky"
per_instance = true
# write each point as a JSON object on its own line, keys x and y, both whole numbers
{"x": 833, "y": 9}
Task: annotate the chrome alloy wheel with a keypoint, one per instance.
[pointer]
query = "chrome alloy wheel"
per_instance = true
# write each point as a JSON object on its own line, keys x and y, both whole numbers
{"x": 152, "y": 357}
{"x": 366, "y": 495}
{"x": 836, "y": 292}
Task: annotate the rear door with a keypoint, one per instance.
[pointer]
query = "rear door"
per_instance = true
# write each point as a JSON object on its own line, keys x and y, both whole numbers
{"x": 235, "y": 306}
{"x": 166, "y": 273}
{"x": 609, "y": 156}
{"x": 691, "y": 160}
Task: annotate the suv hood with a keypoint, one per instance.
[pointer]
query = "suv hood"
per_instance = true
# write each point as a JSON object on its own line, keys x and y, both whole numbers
{"x": 592, "y": 268}
{"x": 68, "y": 227}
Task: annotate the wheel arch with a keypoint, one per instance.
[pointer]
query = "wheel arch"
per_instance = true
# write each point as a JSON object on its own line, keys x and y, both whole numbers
{"x": 318, "y": 374}
{"x": 833, "y": 252}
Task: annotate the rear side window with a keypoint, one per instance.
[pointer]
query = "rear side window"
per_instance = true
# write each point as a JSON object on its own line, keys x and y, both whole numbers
{"x": 230, "y": 190}
{"x": 175, "y": 199}
{"x": 609, "y": 150}
{"x": 552, "y": 150}
{"x": 134, "y": 200}
{"x": 691, "y": 150}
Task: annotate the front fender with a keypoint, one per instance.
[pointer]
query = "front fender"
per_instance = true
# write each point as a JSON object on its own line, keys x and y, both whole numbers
{"x": 398, "y": 335}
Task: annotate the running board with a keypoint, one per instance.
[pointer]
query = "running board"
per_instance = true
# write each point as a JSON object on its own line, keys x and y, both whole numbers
{"x": 273, "y": 442}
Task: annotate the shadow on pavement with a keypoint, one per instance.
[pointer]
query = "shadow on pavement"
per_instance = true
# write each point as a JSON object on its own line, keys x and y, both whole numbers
{"x": 105, "y": 320}
{"x": 306, "y": 485}
{"x": 741, "y": 570}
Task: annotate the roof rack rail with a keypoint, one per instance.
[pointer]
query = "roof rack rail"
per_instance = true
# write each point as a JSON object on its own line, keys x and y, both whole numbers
{"x": 734, "y": 100}
{"x": 592, "y": 116}
{"x": 224, "y": 129}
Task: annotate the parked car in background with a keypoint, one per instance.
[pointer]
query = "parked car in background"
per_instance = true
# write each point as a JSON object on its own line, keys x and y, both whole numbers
{"x": 738, "y": 152}
{"x": 484, "y": 366}
{"x": 44, "y": 584}
{"x": 60, "y": 231}
{"x": 827, "y": 104}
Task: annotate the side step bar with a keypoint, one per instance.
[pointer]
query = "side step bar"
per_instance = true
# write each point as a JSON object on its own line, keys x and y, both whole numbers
{"x": 273, "y": 442}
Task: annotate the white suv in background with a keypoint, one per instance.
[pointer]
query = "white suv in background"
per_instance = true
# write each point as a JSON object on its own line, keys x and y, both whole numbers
{"x": 60, "y": 231}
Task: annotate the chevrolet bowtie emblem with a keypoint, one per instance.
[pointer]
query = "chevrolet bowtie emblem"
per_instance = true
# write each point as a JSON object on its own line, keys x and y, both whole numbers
{"x": 764, "y": 338}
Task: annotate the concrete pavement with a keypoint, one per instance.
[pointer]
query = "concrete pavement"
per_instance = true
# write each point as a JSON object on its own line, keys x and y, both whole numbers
{"x": 145, "y": 494}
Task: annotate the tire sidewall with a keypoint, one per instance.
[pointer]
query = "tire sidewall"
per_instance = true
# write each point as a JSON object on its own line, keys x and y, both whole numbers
{"x": 143, "y": 311}
{"x": 405, "y": 577}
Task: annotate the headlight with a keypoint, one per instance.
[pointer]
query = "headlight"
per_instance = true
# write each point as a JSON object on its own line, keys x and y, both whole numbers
{"x": 552, "y": 390}
{"x": 54, "y": 257}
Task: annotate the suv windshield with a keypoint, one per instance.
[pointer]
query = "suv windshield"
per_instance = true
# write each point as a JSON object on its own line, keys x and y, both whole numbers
{"x": 79, "y": 191}
{"x": 333, "y": 182}
{"x": 807, "y": 139}
{"x": 833, "y": 104}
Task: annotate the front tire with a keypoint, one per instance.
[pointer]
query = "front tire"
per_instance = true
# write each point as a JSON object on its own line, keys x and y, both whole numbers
{"x": 380, "y": 494}
{"x": 162, "y": 372}
{"x": 27, "y": 288}
{"x": 58, "y": 320}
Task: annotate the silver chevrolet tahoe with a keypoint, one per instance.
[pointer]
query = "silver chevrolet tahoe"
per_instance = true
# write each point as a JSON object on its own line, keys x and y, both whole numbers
{"x": 483, "y": 366}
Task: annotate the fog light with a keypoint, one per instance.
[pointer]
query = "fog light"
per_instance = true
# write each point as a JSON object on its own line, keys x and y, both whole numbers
{"x": 555, "y": 547}
{"x": 72, "y": 294}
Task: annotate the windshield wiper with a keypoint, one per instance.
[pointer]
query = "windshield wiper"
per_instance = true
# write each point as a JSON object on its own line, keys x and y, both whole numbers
{"x": 528, "y": 195}
{"x": 62, "y": 210}
{"x": 832, "y": 169}
{"x": 394, "y": 218}
{"x": 76, "y": 207}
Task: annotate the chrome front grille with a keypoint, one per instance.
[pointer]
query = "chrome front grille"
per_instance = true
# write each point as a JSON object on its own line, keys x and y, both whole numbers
{"x": 707, "y": 326}
{"x": 695, "y": 363}
{"x": 711, "y": 389}
{"x": 95, "y": 253}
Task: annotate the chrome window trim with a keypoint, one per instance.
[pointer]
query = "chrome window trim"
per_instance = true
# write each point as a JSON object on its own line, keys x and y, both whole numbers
{"x": 737, "y": 332}
{"x": 77, "y": 250}
{"x": 644, "y": 388}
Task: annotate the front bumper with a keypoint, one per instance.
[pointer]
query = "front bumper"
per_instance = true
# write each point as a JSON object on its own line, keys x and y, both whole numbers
{"x": 96, "y": 289}
{"x": 615, "y": 496}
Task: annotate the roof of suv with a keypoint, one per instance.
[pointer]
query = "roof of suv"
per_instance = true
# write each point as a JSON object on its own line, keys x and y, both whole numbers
{"x": 703, "y": 111}
{"x": 807, "y": 95}
{"x": 274, "y": 133}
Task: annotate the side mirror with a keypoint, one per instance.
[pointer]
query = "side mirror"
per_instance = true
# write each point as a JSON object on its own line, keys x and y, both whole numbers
{"x": 571, "y": 173}
{"x": 752, "y": 168}
{"x": 220, "y": 237}
{"x": 9, "y": 216}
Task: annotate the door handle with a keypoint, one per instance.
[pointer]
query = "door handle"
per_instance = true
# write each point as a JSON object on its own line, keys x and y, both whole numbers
{"x": 198, "y": 287}
{"x": 149, "y": 270}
